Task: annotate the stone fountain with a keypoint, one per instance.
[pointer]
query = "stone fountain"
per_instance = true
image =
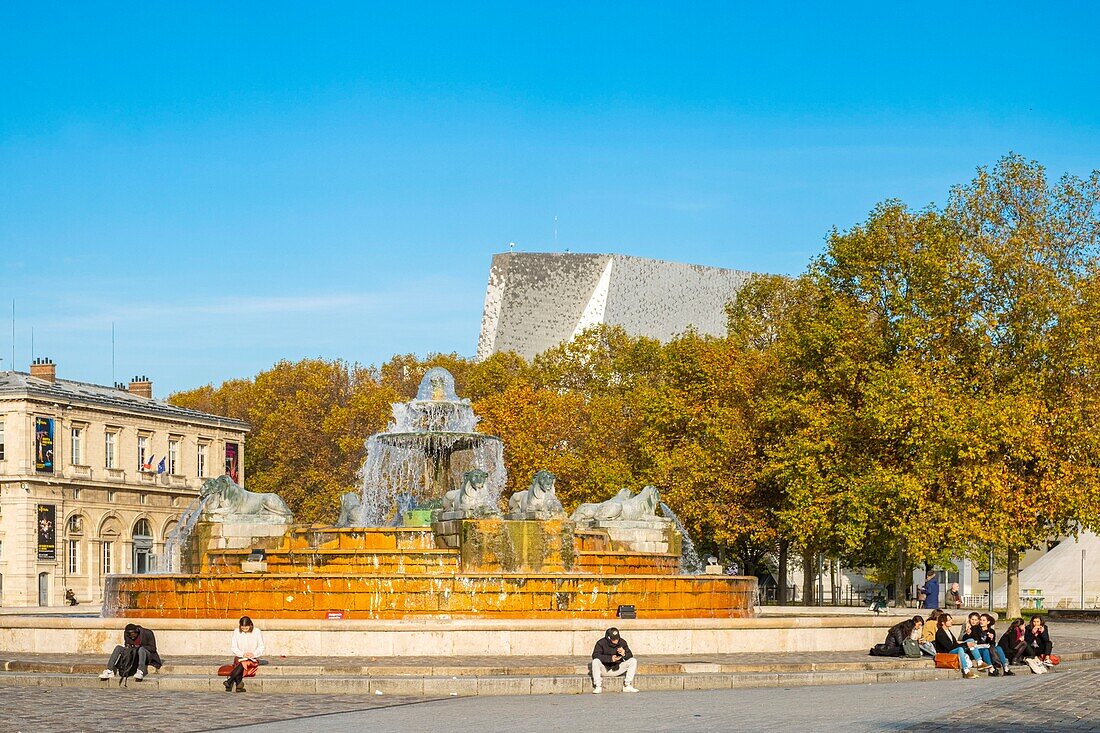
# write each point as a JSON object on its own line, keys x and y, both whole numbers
{"x": 426, "y": 537}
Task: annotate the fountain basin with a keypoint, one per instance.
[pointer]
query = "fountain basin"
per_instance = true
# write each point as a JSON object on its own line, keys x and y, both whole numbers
{"x": 397, "y": 596}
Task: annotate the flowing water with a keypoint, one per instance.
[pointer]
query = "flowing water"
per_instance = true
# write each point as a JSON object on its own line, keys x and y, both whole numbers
{"x": 428, "y": 446}
{"x": 690, "y": 563}
{"x": 177, "y": 538}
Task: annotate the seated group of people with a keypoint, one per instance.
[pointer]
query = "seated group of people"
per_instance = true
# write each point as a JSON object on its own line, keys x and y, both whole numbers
{"x": 138, "y": 652}
{"x": 979, "y": 649}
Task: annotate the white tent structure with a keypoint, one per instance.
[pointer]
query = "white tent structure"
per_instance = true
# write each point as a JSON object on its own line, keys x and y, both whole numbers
{"x": 1057, "y": 575}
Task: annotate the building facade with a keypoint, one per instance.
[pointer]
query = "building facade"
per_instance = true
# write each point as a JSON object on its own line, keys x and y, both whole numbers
{"x": 535, "y": 301}
{"x": 93, "y": 480}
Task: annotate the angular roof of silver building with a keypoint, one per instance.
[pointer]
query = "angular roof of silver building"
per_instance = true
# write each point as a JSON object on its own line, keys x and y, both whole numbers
{"x": 536, "y": 301}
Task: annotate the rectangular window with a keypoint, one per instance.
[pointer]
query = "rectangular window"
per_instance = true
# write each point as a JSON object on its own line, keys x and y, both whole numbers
{"x": 143, "y": 449}
{"x": 74, "y": 557}
{"x": 143, "y": 498}
{"x": 200, "y": 459}
{"x": 1, "y": 440}
{"x": 110, "y": 449}
{"x": 76, "y": 447}
{"x": 173, "y": 456}
{"x": 105, "y": 560}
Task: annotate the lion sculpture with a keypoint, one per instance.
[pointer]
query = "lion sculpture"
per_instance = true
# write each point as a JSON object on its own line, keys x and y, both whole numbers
{"x": 350, "y": 512}
{"x": 623, "y": 506}
{"x": 225, "y": 501}
{"x": 473, "y": 497}
{"x": 538, "y": 501}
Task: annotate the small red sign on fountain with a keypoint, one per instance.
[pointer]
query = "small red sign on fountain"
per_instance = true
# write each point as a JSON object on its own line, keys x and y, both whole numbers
{"x": 334, "y": 616}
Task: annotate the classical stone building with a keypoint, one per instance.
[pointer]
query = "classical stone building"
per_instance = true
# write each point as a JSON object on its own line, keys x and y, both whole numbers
{"x": 536, "y": 301}
{"x": 93, "y": 478}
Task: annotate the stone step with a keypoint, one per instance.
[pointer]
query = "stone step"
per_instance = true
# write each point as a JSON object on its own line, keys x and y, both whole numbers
{"x": 291, "y": 668}
{"x": 431, "y": 686}
{"x": 496, "y": 684}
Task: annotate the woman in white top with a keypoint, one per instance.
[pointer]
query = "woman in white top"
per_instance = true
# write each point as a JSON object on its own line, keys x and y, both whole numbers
{"x": 248, "y": 645}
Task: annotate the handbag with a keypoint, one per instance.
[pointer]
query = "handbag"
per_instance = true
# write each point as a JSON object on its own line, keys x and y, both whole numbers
{"x": 948, "y": 661}
{"x": 1035, "y": 665}
{"x": 910, "y": 648}
{"x": 1055, "y": 659}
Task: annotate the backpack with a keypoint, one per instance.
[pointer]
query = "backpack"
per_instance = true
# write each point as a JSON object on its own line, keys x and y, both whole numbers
{"x": 911, "y": 649}
{"x": 881, "y": 650}
{"x": 127, "y": 664}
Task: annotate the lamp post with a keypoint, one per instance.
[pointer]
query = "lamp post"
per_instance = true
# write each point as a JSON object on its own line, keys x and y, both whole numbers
{"x": 1082, "y": 580}
{"x": 989, "y": 601}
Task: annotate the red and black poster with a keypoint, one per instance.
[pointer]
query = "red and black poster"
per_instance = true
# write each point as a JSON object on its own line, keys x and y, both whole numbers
{"x": 47, "y": 532}
{"x": 43, "y": 444}
{"x": 232, "y": 463}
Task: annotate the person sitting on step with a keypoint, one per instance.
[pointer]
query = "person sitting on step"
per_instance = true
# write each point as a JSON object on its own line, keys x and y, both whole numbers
{"x": 946, "y": 643}
{"x": 612, "y": 657}
{"x": 247, "y": 646}
{"x": 1013, "y": 644}
{"x": 928, "y": 632}
{"x": 1038, "y": 640}
{"x": 908, "y": 629}
{"x": 974, "y": 639}
{"x": 146, "y": 644}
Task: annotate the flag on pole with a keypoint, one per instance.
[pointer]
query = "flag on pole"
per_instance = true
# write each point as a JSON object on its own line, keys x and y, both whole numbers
{"x": 160, "y": 466}
{"x": 147, "y": 467}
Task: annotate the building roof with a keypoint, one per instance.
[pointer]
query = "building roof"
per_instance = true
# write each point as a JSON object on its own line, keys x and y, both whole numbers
{"x": 21, "y": 384}
{"x": 537, "y": 300}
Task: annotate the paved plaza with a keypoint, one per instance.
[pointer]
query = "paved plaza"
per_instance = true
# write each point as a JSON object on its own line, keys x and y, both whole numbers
{"x": 1055, "y": 703}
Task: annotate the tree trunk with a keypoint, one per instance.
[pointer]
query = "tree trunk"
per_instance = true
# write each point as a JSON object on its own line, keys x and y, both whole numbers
{"x": 1012, "y": 583}
{"x": 901, "y": 582}
{"x": 809, "y": 572}
{"x": 781, "y": 591}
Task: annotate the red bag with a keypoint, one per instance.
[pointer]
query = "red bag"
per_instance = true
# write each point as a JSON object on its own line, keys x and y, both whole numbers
{"x": 1055, "y": 659}
{"x": 948, "y": 661}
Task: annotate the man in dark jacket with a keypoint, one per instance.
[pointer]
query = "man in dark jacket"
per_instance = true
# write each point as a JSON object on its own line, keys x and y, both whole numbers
{"x": 146, "y": 645}
{"x": 611, "y": 657}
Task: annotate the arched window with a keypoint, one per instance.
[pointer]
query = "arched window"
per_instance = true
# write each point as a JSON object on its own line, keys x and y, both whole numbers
{"x": 75, "y": 525}
{"x": 143, "y": 547}
{"x": 142, "y": 530}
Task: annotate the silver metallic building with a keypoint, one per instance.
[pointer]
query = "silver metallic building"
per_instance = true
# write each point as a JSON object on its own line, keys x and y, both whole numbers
{"x": 536, "y": 301}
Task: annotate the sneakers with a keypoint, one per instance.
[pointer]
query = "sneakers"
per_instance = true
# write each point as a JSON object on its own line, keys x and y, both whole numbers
{"x": 969, "y": 674}
{"x": 1009, "y": 672}
{"x": 1047, "y": 662}
{"x": 228, "y": 685}
{"x": 106, "y": 674}
{"x": 139, "y": 676}
{"x": 597, "y": 690}
{"x": 630, "y": 688}
{"x": 240, "y": 688}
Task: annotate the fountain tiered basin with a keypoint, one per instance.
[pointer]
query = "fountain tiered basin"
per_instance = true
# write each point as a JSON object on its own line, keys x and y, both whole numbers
{"x": 242, "y": 554}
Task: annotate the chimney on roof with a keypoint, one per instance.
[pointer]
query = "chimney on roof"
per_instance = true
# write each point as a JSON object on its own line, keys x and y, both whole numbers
{"x": 141, "y": 387}
{"x": 44, "y": 368}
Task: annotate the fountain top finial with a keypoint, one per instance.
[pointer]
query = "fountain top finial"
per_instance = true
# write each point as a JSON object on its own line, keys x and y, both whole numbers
{"x": 438, "y": 385}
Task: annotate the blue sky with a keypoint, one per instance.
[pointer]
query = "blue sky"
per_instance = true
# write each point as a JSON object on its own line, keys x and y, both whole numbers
{"x": 235, "y": 183}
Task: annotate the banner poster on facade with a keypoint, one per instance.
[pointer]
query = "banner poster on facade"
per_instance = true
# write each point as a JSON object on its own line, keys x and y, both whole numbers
{"x": 232, "y": 465}
{"x": 43, "y": 444}
{"x": 47, "y": 524}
